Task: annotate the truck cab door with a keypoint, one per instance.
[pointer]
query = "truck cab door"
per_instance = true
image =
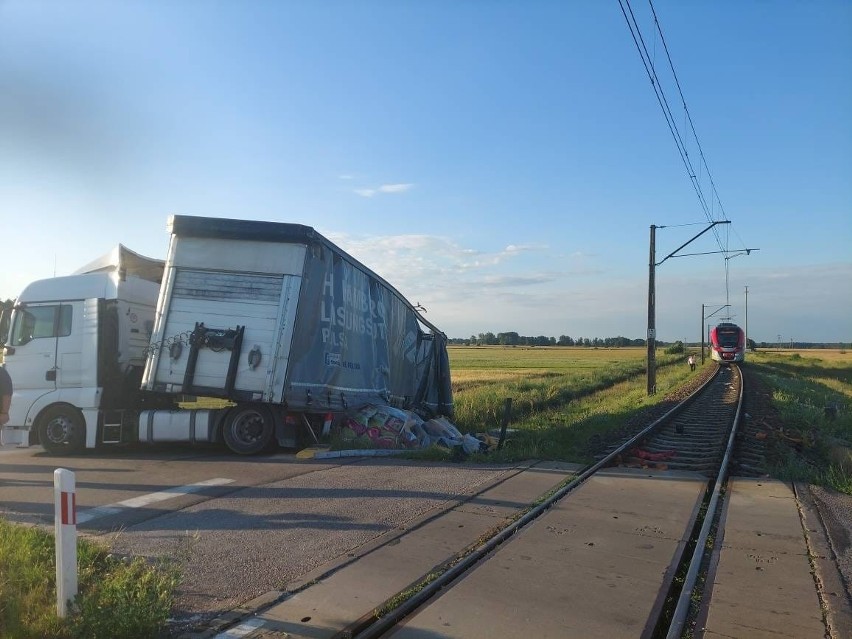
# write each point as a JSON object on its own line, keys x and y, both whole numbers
{"x": 31, "y": 352}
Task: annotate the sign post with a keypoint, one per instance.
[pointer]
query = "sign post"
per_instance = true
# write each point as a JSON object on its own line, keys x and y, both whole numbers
{"x": 65, "y": 525}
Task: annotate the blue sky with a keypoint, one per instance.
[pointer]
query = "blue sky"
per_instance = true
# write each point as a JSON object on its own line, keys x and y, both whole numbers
{"x": 498, "y": 162}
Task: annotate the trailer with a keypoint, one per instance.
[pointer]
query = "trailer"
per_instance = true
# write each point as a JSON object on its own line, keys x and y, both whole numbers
{"x": 276, "y": 322}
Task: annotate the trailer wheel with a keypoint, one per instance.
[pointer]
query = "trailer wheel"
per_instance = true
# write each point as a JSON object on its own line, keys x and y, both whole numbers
{"x": 62, "y": 430}
{"x": 248, "y": 429}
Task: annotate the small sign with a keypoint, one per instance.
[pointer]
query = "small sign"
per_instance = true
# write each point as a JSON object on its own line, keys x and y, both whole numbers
{"x": 652, "y": 333}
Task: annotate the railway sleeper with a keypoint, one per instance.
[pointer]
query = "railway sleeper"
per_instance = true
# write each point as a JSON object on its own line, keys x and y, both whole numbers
{"x": 681, "y": 442}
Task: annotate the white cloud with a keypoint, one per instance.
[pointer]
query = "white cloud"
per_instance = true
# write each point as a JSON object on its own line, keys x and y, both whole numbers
{"x": 535, "y": 290}
{"x": 521, "y": 248}
{"x": 394, "y": 188}
{"x": 384, "y": 188}
{"x": 419, "y": 257}
{"x": 509, "y": 281}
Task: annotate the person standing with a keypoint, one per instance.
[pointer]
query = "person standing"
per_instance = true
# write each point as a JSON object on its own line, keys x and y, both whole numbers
{"x": 691, "y": 362}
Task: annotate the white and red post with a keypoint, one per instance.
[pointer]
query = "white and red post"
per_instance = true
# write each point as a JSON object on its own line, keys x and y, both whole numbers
{"x": 65, "y": 523}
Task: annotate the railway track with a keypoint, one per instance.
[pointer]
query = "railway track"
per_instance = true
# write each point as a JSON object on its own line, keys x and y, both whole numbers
{"x": 693, "y": 438}
{"x": 696, "y": 438}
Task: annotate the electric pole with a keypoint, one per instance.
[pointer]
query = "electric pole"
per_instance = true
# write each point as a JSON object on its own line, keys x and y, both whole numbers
{"x": 652, "y": 329}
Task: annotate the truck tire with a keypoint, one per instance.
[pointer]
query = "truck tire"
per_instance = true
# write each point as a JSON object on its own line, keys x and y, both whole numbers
{"x": 62, "y": 430}
{"x": 248, "y": 430}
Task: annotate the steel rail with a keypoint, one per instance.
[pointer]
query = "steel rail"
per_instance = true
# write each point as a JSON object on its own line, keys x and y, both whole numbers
{"x": 675, "y": 630}
{"x": 429, "y": 590}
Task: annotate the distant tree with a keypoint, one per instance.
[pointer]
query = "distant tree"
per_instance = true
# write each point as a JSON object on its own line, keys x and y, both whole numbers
{"x": 488, "y": 339}
{"x": 513, "y": 338}
{"x": 676, "y": 348}
{"x": 509, "y": 339}
{"x": 751, "y": 345}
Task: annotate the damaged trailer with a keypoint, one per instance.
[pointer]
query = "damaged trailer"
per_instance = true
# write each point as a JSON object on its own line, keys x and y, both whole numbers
{"x": 281, "y": 325}
{"x": 286, "y": 325}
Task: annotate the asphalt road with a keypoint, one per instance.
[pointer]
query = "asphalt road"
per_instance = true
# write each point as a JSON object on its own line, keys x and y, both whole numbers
{"x": 256, "y": 525}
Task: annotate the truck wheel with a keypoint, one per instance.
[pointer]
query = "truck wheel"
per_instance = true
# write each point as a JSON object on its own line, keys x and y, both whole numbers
{"x": 62, "y": 430}
{"x": 248, "y": 429}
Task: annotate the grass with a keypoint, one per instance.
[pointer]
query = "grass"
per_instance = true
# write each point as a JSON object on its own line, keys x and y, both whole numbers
{"x": 561, "y": 397}
{"x": 565, "y": 398}
{"x": 812, "y": 393}
{"x": 118, "y": 598}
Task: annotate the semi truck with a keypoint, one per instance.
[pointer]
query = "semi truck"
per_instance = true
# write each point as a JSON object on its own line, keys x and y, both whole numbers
{"x": 276, "y": 327}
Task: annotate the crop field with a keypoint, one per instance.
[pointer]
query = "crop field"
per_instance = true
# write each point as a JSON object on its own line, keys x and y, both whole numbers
{"x": 566, "y": 401}
{"x": 561, "y": 396}
{"x": 811, "y": 391}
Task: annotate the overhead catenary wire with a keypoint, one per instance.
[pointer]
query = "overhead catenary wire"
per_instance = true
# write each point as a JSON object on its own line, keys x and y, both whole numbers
{"x": 687, "y": 115}
{"x": 715, "y": 210}
{"x": 692, "y": 171}
{"x": 647, "y": 62}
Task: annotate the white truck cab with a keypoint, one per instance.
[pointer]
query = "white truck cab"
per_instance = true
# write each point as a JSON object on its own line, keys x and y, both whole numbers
{"x": 73, "y": 345}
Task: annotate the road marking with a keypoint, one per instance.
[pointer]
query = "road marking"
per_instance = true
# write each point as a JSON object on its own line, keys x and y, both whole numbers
{"x": 245, "y": 628}
{"x": 145, "y": 500}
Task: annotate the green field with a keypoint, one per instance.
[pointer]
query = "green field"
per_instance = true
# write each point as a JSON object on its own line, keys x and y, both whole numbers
{"x": 562, "y": 397}
{"x": 811, "y": 393}
{"x": 566, "y": 401}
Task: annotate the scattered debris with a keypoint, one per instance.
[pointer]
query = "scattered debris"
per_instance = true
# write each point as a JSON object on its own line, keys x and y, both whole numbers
{"x": 384, "y": 427}
{"x": 664, "y": 455}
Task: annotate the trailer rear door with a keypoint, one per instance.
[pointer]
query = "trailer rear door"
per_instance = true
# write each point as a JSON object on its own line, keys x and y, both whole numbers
{"x": 263, "y": 304}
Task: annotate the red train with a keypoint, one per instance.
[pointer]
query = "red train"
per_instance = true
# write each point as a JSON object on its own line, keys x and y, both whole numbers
{"x": 727, "y": 343}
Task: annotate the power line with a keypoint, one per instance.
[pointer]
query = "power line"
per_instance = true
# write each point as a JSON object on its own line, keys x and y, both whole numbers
{"x": 714, "y": 192}
{"x": 647, "y": 62}
{"x": 659, "y": 92}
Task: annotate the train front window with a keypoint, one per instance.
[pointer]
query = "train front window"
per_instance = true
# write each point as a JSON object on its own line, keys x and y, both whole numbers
{"x": 727, "y": 338}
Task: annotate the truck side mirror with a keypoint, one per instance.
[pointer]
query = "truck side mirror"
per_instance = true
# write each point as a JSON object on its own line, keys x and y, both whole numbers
{"x": 5, "y": 318}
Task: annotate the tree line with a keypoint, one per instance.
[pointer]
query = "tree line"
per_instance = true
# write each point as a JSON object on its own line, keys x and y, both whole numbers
{"x": 511, "y": 338}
